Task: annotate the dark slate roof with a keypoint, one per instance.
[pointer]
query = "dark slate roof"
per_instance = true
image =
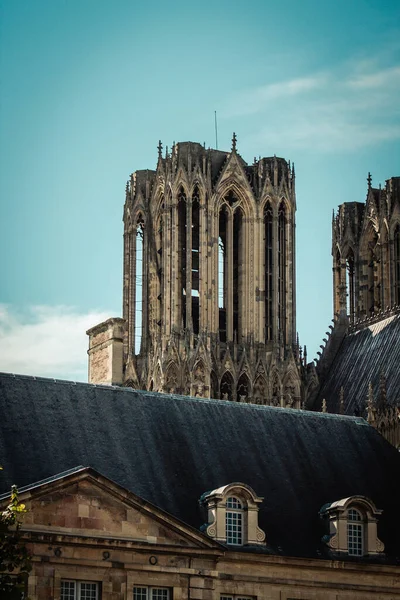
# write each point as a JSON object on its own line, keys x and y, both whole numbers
{"x": 367, "y": 352}
{"x": 169, "y": 450}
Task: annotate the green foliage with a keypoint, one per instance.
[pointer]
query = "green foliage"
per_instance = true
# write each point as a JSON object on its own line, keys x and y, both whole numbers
{"x": 14, "y": 557}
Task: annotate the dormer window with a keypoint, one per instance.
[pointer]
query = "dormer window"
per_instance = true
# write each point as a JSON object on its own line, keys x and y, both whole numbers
{"x": 234, "y": 521}
{"x": 353, "y": 526}
{"x": 232, "y": 515}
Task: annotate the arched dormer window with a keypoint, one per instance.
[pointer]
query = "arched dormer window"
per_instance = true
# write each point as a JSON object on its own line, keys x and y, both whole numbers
{"x": 353, "y": 526}
{"x": 232, "y": 515}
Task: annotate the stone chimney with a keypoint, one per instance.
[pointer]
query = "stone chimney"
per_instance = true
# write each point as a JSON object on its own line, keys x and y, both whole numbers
{"x": 106, "y": 352}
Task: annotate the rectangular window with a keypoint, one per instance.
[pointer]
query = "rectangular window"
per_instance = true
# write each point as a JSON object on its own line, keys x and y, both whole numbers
{"x": 355, "y": 539}
{"x": 234, "y": 528}
{"x": 79, "y": 590}
{"x": 151, "y": 593}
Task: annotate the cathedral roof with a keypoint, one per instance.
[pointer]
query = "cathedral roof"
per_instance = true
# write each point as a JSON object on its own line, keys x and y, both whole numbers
{"x": 169, "y": 450}
{"x": 369, "y": 351}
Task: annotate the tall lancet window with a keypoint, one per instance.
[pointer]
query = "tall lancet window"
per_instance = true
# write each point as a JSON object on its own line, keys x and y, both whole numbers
{"x": 282, "y": 271}
{"x": 222, "y": 271}
{"x": 371, "y": 289}
{"x": 238, "y": 272}
{"x": 196, "y": 260}
{"x": 181, "y": 250}
{"x": 268, "y": 274}
{"x": 350, "y": 285}
{"x": 397, "y": 265}
{"x": 138, "y": 330}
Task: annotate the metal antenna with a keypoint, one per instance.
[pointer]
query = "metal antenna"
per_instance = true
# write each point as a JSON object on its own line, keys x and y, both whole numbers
{"x": 216, "y": 130}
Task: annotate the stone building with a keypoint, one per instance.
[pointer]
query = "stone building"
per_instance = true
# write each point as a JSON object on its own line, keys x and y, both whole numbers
{"x": 359, "y": 366}
{"x": 209, "y": 289}
{"x": 366, "y": 252}
{"x": 196, "y": 499}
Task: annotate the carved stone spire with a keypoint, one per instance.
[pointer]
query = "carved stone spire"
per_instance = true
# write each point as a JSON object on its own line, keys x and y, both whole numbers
{"x": 234, "y": 140}
{"x": 159, "y": 148}
{"x": 369, "y": 180}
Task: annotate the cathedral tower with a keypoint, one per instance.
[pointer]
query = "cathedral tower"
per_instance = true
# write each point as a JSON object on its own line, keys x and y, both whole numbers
{"x": 209, "y": 277}
{"x": 366, "y": 253}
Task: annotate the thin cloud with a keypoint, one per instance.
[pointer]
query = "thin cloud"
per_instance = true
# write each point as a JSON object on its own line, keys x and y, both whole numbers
{"x": 254, "y": 101}
{"x": 346, "y": 109}
{"x": 48, "y": 341}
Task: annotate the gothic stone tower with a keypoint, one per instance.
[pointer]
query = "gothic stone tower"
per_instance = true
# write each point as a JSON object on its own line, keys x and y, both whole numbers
{"x": 366, "y": 253}
{"x": 209, "y": 277}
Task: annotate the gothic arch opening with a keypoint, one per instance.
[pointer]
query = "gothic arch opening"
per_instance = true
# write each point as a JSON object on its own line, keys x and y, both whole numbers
{"x": 138, "y": 283}
{"x": 223, "y": 271}
{"x": 214, "y": 391}
{"x": 290, "y": 393}
{"x": 275, "y": 390}
{"x": 350, "y": 285}
{"x": 172, "y": 380}
{"x": 371, "y": 287}
{"x": 226, "y": 386}
{"x": 282, "y": 257}
{"x": 195, "y": 256}
{"x": 268, "y": 270}
{"x": 396, "y": 247}
{"x": 238, "y": 272}
{"x": 243, "y": 388}
{"x": 182, "y": 258}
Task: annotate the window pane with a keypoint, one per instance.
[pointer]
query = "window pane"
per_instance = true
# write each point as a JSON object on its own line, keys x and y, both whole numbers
{"x": 233, "y": 528}
{"x": 159, "y": 594}
{"x": 88, "y": 591}
{"x": 139, "y": 593}
{"x": 355, "y": 539}
{"x": 233, "y": 503}
{"x": 68, "y": 590}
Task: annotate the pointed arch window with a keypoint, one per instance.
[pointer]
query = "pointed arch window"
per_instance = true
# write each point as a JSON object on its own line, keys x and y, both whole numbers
{"x": 243, "y": 388}
{"x": 282, "y": 271}
{"x": 182, "y": 258}
{"x": 195, "y": 287}
{"x": 222, "y": 271}
{"x": 226, "y": 386}
{"x": 350, "y": 285}
{"x": 268, "y": 262}
{"x": 238, "y": 272}
{"x": 138, "y": 283}
{"x": 397, "y": 264}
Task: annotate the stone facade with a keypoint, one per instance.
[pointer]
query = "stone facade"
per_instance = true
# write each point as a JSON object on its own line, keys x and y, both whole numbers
{"x": 209, "y": 278}
{"x": 83, "y": 528}
{"x": 359, "y": 366}
{"x": 366, "y": 253}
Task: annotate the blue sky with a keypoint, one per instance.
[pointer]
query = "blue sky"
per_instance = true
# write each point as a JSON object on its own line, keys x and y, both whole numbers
{"x": 88, "y": 88}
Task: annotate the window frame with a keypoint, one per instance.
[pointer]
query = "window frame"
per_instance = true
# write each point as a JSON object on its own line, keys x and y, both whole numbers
{"x": 355, "y": 532}
{"x": 77, "y": 592}
{"x": 149, "y": 592}
{"x": 234, "y": 521}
